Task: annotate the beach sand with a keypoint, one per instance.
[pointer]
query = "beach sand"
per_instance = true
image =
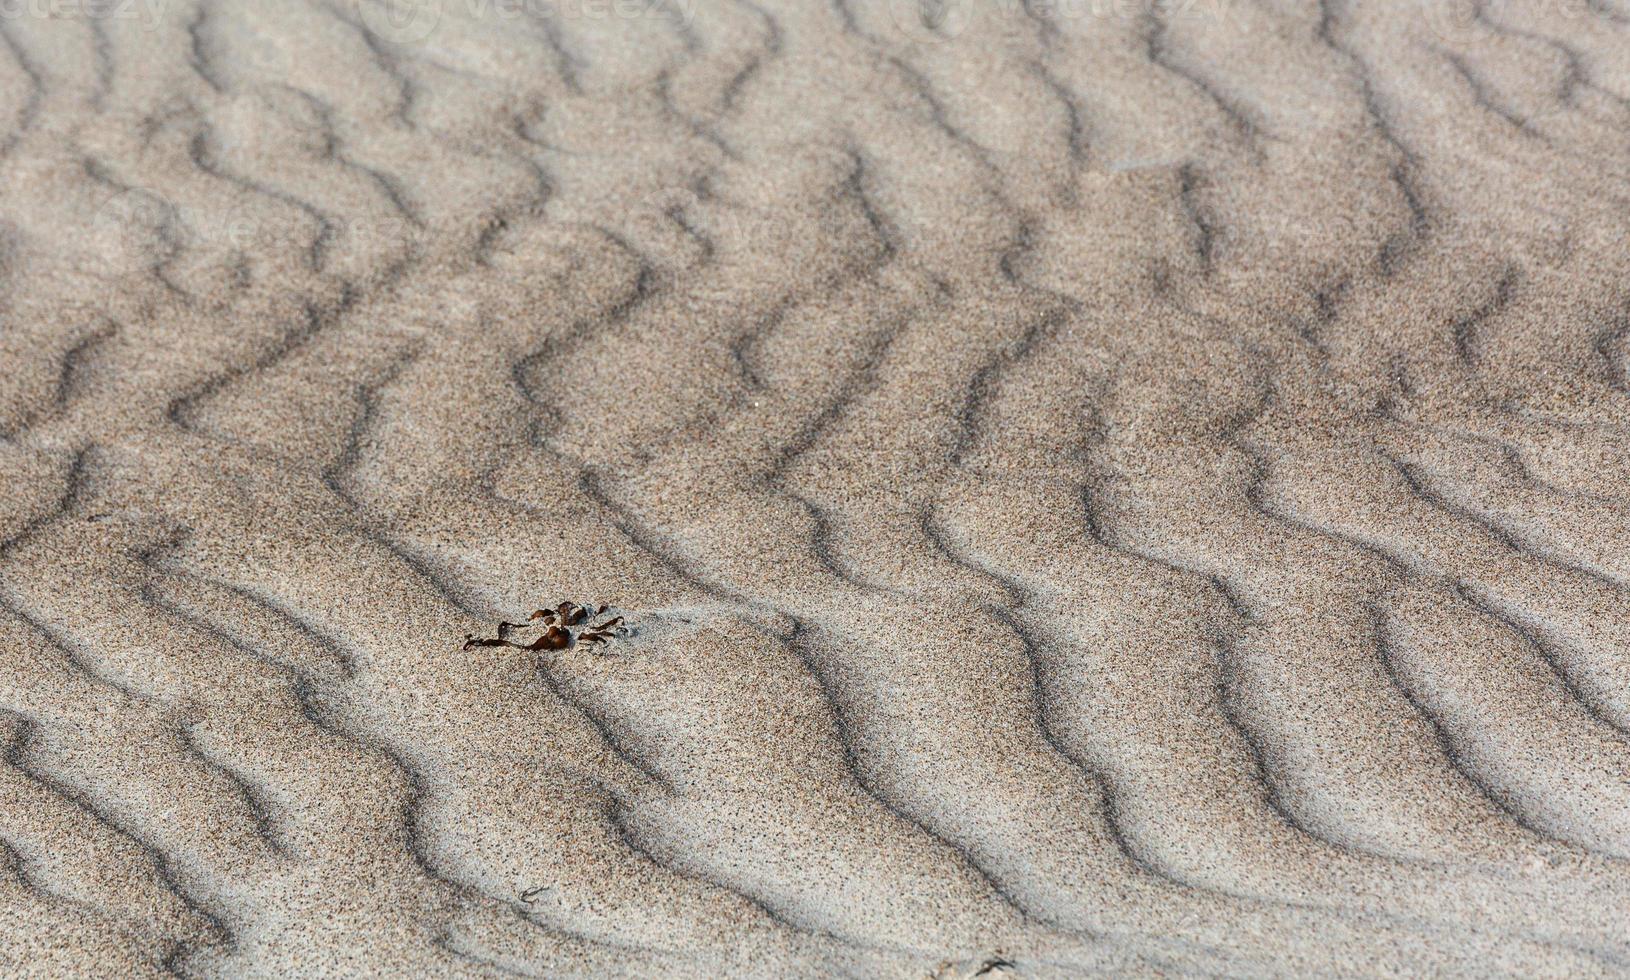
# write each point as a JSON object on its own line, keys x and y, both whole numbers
{"x": 1096, "y": 488}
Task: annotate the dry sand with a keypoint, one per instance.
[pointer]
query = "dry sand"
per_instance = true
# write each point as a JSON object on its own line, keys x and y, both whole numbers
{"x": 1100, "y": 488}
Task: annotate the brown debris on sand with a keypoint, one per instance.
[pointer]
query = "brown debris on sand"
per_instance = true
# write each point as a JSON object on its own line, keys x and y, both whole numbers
{"x": 557, "y": 632}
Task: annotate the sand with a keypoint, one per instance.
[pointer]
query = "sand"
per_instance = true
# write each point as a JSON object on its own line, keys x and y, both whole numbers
{"x": 1097, "y": 487}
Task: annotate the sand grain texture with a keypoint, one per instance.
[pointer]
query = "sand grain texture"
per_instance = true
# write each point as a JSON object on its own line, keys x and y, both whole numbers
{"x": 1102, "y": 488}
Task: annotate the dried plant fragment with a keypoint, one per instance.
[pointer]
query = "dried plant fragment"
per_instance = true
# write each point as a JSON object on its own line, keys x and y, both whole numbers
{"x": 557, "y": 633}
{"x": 602, "y": 632}
{"x": 554, "y": 638}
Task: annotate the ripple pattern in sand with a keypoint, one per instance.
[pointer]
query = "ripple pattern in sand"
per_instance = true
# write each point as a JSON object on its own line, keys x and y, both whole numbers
{"x": 1103, "y": 488}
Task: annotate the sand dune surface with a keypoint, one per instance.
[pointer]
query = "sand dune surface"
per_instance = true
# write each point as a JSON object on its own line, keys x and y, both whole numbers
{"x": 1094, "y": 487}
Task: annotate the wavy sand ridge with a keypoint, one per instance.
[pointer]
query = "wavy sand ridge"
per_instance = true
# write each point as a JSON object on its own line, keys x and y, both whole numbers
{"x": 1101, "y": 488}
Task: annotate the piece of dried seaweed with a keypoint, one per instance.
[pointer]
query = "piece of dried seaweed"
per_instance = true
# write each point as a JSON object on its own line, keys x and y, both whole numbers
{"x": 557, "y": 626}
